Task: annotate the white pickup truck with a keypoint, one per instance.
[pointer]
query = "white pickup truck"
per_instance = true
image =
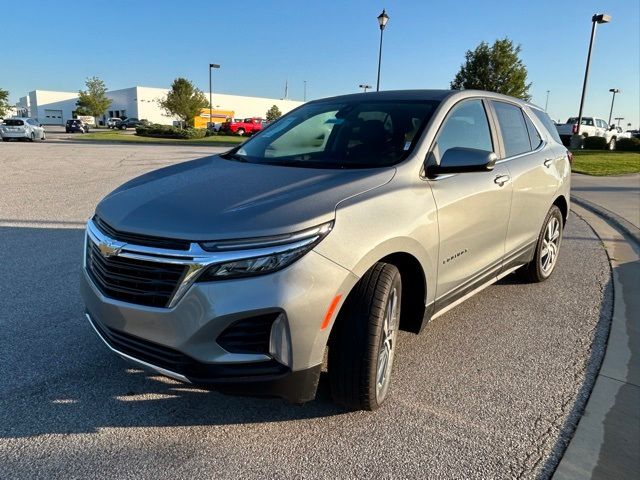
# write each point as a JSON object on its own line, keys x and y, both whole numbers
{"x": 591, "y": 127}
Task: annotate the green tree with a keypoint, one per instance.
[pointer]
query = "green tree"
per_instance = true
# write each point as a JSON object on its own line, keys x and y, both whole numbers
{"x": 4, "y": 102}
{"x": 273, "y": 113}
{"x": 496, "y": 68}
{"x": 184, "y": 101}
{"x": 93, "y": 101}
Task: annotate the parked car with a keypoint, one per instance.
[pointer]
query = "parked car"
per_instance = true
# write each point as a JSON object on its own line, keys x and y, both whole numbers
{"x": 76, "y": 125}
{"x": 22, "y": 128}
{"x": 345, "y": 221}
{"x": 131, "y": 123}
{"x": 113, "y": 122}
{"x": 590, "y": 127}
{"x": 241, "y": 127}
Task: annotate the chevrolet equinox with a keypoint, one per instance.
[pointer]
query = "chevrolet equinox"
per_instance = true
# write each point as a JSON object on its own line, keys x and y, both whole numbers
{"x": 341, "y": 223}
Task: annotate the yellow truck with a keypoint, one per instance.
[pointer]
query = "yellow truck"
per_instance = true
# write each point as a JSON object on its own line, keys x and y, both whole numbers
{"x": 218, "y": 117}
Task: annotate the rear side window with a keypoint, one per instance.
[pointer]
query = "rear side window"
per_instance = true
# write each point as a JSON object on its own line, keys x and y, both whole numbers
{"x": 466, "y": 126}
{"x": 534, "y": 136}
{"x": 548, "y": 124}
{"x": 515, "y": 135}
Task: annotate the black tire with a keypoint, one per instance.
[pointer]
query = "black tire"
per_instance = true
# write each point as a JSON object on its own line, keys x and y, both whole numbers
{"x": 240, "y": 131}
{"x": 534, "y": 271}
{"x": 6, "y": 139}
{"x": 33, "y": 137}
{"x": 357, "y": 340}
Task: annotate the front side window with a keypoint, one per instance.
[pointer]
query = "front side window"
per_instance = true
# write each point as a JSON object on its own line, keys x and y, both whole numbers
{"x": 466, "y": 126}
{"x": 340, "y": 135}
{"x": 515, "y": 135}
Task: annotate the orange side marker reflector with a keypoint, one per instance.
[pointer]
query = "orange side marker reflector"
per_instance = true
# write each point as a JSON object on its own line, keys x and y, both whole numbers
{"x": 329, "y": 315}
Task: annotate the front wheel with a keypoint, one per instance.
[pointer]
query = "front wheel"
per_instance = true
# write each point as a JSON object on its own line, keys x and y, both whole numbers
{"x": 364, "y": 341}
{"x": 33, "y": 137}
{"x": 612, "y": 144}
{"x": 240, "y": 132}
{"x": 547, "y": 248}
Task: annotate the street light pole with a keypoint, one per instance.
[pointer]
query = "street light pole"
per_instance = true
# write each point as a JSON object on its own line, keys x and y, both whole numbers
{"x": 613, "y": 99}
{"x": 211, "y": 66}
{"x": 597, "y": 18}
{"x": 364, "y": 86}
{"x": 546, "y": 103}
{"x": 383, "y": 18}
{"x": 618, "y": 119}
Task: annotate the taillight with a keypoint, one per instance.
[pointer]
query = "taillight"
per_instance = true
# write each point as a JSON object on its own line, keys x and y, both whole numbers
{"x": 570, "y": 157}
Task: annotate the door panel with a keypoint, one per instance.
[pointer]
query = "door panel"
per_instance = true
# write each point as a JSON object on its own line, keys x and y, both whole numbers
{"x": 473, "y": 209}
{"x": 473, "y": 213}
{"x": 534, "y": 177}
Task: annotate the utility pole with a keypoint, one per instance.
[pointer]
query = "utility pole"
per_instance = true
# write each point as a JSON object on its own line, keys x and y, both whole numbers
{"x": 546, "y": 103}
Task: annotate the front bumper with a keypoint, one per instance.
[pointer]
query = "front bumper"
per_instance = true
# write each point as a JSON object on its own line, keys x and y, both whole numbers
{"x": 265, "y": 378}
{"x": 187, "y": 332}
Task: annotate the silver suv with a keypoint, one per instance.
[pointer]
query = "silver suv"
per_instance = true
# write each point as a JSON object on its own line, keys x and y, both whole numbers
{"x": 339, "y": 224}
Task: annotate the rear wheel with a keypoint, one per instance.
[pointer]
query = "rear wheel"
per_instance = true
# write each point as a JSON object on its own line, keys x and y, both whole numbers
{"x": 240, "y": 131}
{"x": 547, "y": 248}
{"x": 612, "y": 144}
{"x": 32, "y": 138}
{"x": 363, "y": 343}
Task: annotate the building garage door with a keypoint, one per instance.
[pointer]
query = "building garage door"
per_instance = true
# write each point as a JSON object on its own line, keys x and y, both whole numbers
{"x": 52, "y": 117}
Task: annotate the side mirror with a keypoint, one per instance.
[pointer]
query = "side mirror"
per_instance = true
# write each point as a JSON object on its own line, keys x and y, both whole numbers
{"x": 461, "y": 160}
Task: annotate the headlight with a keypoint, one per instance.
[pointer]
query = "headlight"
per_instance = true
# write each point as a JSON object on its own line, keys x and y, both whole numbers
{"x": 261, "y": 255}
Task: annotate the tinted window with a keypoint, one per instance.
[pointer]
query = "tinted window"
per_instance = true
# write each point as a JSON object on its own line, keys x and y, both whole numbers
{"x": 13, "y": 123}
{"x": 514, "y": 130}
{"x": 466, "y": 126}
{"x": 338, "y": 134}
{"x": 548, "y": 124}
{"x": 534, "y": 136}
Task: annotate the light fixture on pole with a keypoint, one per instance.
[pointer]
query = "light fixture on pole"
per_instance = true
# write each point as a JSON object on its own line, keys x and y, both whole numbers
{"x": 596, "y": 19}
{"x": 546, "y": 103}
{"x": 613, "y": 99}
{"x": 365, "y": 87}
{"x": 211, "y": 67}
{"x": 618, "y": 119}
{"x": 383, "y": 18}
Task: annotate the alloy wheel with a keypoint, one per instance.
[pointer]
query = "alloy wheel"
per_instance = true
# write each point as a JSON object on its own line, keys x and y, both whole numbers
{"x": 387, "y": 348}
{"x": 550, "y": 246}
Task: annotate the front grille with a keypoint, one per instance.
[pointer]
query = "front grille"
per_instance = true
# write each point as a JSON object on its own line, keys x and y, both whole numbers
{"x": 250, "y": 335}
{"x": 178, "y": 362}
{"x": 133, "y": 281}
{"x": 137, "y": 239}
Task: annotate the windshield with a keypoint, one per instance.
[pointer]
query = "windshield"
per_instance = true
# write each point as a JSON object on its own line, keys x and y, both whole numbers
{"x": 13, "y": 123}
{"x": 340, "y": 135}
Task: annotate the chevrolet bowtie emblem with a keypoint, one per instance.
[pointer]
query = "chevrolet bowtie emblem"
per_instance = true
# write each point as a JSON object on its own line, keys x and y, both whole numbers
{"x": 110, "y": 248}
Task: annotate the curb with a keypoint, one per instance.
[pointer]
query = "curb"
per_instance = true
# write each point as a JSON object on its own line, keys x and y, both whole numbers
{"x": 618, "y": 222}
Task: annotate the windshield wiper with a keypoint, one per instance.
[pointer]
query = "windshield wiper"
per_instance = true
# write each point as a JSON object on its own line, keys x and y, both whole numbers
{"x": 233, "y": 156}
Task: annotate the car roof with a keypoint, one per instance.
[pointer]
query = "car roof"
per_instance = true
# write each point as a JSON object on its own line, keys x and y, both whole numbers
{"x": 433, "y": 95}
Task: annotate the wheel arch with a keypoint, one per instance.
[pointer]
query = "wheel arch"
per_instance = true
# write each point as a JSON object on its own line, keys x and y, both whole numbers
{"x": 414, "y": 292}
{"x": 563, "y": 205}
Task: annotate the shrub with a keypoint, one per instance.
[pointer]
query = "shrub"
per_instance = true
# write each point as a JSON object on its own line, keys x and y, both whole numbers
{"x": 594, "y": 143}
{"x": 168, "y": 131}
{"x": 628, "y": 144}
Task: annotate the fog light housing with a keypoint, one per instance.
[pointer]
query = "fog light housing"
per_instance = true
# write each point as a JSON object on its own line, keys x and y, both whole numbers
{"x": 280, "y": 341}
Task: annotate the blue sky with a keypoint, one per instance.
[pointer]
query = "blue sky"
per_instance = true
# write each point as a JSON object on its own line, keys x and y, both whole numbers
{"x": 331, "y": 44}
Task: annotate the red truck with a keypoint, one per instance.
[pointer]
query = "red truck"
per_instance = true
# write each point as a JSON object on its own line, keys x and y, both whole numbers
{"x": 248, "y": 126}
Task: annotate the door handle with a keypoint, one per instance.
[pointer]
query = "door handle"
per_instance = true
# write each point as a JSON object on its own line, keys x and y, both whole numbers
{"x": 500, "y": 180}
{"x": 548, "y": 162}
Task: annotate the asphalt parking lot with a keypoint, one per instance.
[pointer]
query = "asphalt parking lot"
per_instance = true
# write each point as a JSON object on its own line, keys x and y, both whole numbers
{"x": 492, "y": 389}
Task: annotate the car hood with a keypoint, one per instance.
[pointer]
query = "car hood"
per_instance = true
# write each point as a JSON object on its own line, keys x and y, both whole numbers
{"x": 212, "y": 198}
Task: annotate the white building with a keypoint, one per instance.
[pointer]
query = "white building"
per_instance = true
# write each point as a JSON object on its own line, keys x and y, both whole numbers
{"x": 55, "y": 108}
